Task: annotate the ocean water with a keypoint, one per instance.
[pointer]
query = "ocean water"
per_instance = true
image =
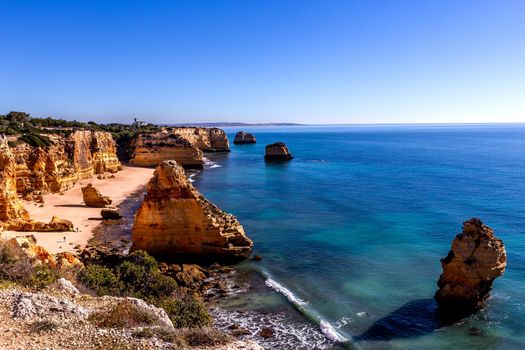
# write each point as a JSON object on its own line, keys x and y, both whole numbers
{"x": 352, "y": 230}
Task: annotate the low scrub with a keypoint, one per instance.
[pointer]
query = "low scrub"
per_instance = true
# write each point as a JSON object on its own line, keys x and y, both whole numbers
{"x": 125, "y": 314}
{"x": 138, "y": 275}
{"x": 16, "y": 267}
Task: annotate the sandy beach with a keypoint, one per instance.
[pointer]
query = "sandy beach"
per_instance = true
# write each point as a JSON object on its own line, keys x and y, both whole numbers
{"x": 69, "y": 205}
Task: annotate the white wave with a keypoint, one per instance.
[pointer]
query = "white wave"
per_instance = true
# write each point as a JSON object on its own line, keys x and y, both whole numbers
{"x": 287, "y": 293}
{"x": 330, "y": 332}
{"x": 215, "y": 166}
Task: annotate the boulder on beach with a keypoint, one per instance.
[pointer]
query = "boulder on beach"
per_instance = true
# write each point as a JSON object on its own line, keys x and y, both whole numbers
{"x": 277, "y": 151}
{"x": 476, "y": 259}
{"x": 110, "y": 214}
{"x": 243, "y": 137}
{"x": 93, "y": 198}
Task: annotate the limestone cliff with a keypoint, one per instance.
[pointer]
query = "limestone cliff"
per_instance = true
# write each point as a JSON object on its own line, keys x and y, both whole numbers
{"x": 175, "y": 220}
{"x": 151, "y": 149}
{"x": 11, "y": 210}
{"x": 69, "y": 159}
{"x": 205, "y": 139}
{"x": 477, "y": 258}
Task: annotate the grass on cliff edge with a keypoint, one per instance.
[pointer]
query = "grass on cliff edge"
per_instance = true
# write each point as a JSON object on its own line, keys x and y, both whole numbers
{"x": 138, "y": 276}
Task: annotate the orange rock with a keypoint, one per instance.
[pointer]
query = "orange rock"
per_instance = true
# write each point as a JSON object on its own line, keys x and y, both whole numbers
{"x": 177, "y": 221}
{"x": 93, "y": 198}
{"x": 68, "y": 260}
{"x": 36, "y": 253}
{"x": 476, "y": 259}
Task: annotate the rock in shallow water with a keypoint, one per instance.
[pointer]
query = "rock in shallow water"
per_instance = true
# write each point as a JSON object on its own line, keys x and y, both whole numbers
{"x": 244, "y": 137}
{"x": 277, "y": 152}
{"x": 476, "y": 259}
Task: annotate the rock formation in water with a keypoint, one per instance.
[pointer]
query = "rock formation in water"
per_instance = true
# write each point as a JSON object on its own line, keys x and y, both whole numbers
{"x": 243, "y": 137}
{"x": 277, "y": 151}
{"x": 477, "y": 258}
{"x": 70, "y": 158}
{"x": 93, "y": 198}
{"x": 176, "y": 221}
{"x": 151, "y": 149}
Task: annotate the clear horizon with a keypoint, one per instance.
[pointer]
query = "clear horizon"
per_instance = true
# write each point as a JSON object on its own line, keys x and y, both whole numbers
{"x": 309, "y": 62}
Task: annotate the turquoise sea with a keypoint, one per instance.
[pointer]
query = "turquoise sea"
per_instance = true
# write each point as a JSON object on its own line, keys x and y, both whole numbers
{"x": 352, "y": 230}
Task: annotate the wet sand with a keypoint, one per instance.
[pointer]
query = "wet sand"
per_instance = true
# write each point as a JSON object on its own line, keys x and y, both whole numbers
{"x": 69, "y": 205}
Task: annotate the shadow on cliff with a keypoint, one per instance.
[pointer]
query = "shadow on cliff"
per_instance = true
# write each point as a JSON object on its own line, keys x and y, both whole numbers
{"x": 415, "y": 318}
{"x": 70, "y": 206}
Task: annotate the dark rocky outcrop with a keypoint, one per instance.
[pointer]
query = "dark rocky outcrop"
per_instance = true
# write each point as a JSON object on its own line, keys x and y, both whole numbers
{"x": 277, "y": 152}
{"x": 243, "y": 137}
{"x": 110, "y": 214}
{"x": 477, "y": 258}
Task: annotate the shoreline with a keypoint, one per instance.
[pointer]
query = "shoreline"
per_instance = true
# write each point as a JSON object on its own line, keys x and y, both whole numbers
{"x": 69, "y": 205}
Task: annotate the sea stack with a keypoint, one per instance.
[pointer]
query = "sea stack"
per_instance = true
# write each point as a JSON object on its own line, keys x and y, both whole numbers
{"x": 175, "y": 221}
{"x": 277, "y": 152}
{"x": 476, "y": 259}
{"x": 243, "y": 137}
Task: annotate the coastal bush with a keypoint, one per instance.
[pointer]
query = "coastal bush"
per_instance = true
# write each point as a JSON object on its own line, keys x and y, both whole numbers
{"x": 204, "y": 337}
{"x": 16, "y": 267}
{"x": 164, "y": 334}
{"x": 100, "y": 279}
{"x": 137, "y": 275}
{"x": 186, "y": 311}
{"x": 36, "y": 140}
{"x": 124, "y": 314}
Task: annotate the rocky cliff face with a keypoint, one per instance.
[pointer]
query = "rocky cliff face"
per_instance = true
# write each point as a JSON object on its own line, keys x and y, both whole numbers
{"x": 205, "y": 139}
{"x": 176, "y": 221}
{"x": 151, "y": 149}
{"x": 11, "y": 210}
{"x": 26, "y": 170}
{"x": 69, "y": 159}
{"x": 477, "y": 258}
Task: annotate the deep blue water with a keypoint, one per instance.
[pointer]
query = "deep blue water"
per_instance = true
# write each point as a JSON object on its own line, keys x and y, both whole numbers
{"x": 356, "y": 224}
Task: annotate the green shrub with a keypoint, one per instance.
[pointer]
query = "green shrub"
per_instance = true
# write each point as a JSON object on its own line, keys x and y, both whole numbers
{"x": 142, "y": 258}
{"x": 158, "y": 286}
{"x": 42, "y": 276}
{"x": 186, "y": 312}
{"x": 100, "y": 279}
{"x": 36, "y": 140}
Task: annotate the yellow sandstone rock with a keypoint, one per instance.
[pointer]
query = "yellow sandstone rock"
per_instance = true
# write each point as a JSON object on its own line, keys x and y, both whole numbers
{"x": 176, "y": 221}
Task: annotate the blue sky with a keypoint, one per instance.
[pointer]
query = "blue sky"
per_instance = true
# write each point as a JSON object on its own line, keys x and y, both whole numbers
{"x": 367, "y": 61}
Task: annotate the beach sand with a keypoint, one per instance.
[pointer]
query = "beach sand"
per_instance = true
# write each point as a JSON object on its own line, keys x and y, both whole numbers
{"x": 69, "y": 205}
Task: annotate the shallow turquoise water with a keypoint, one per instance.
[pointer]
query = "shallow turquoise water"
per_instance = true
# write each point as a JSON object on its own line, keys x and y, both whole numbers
{"x": 356, "y": 224}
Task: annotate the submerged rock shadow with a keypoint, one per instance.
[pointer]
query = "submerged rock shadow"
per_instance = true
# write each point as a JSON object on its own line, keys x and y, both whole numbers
{"x": 415, "y": 318}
